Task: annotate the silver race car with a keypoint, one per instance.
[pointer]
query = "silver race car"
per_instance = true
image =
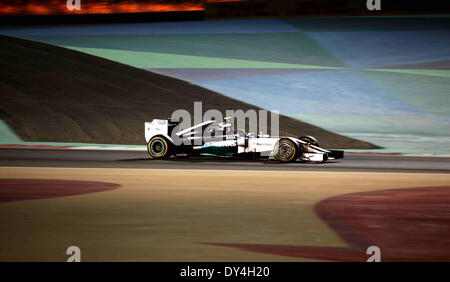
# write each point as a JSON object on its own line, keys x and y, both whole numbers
{"x": 210, "y": 138}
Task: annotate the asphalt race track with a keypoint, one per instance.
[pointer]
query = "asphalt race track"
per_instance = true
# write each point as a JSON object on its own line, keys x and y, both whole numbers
{"x": 140, "y": 159}
{"x": 123, "y": 206}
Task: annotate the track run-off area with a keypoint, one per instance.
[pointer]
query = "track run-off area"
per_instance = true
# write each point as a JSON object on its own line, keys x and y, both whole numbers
{"x": 123, "y": 206}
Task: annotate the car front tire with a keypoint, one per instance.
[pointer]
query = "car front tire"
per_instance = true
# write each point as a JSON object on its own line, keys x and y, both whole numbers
{"x": 286, "y": 150}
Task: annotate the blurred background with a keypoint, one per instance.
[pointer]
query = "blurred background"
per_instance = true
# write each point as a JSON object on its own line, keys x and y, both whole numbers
{"x": 377, "y": 76}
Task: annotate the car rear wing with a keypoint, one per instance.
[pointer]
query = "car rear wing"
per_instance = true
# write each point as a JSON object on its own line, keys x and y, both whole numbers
{"x": 156, "y": 127}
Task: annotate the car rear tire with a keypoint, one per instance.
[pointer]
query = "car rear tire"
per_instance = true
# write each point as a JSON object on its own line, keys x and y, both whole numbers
{"x": 159, "y": 147}
{"x": 286, "y": 150}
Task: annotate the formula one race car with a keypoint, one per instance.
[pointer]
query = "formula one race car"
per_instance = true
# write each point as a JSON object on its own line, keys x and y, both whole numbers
{"x": 164, "y": 139}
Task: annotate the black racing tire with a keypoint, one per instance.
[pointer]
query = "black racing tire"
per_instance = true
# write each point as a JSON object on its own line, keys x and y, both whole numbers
{"x": 310, "y": 139}
{"x": 159, "y": 147}
{"x": 286, "y": 150}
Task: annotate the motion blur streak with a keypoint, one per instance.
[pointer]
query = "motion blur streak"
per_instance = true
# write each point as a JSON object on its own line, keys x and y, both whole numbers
{"x": 53, "y": 7}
